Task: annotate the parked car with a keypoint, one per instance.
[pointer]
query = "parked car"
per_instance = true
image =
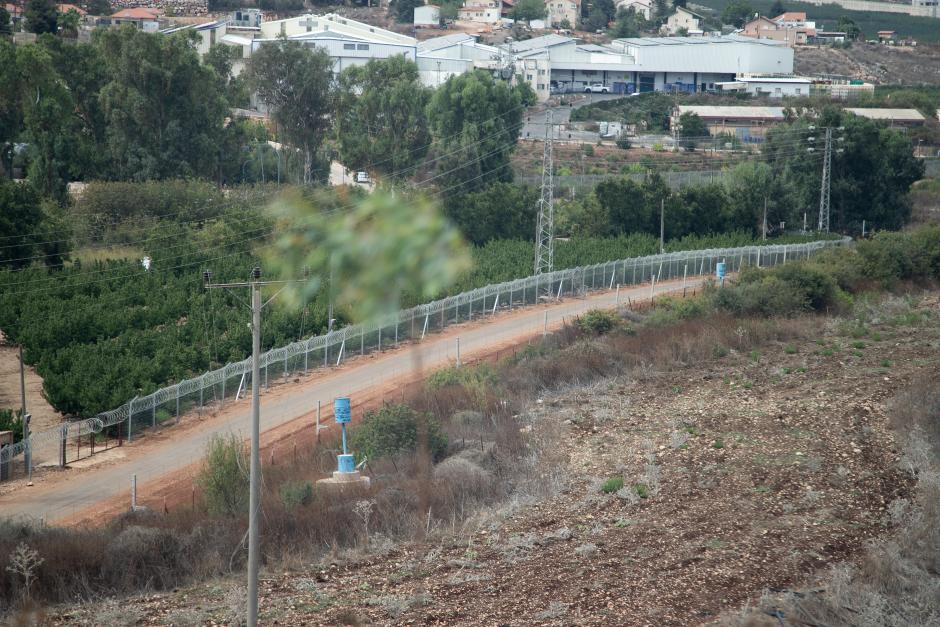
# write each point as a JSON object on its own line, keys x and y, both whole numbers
{"x": 596, "y": 88}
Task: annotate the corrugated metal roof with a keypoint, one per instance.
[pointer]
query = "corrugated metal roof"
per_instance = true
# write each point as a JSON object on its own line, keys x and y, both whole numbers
{"x": 753, "y": 113}
{"x": 896, "y": 115}
{"x": 444, "y": 41}
{"x": 683, "y": 41}
{"x": 545, "y": 41}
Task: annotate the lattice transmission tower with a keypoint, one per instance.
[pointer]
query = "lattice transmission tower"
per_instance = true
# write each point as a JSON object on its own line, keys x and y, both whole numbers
{"x": 545, "y": 226}
{"x": 826, "y": 183}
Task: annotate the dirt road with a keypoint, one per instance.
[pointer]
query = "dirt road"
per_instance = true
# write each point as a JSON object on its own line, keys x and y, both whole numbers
{"x": 177, "y": 448}
{"x": 44, "y": 416}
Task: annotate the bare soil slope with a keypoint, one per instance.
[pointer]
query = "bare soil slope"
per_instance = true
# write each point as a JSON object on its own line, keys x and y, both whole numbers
{"x": 746, "y": 471}
{"x": 873, "y": 62}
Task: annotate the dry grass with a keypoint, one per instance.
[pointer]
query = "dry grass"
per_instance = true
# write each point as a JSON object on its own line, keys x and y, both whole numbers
{"x": 491, "y": 467}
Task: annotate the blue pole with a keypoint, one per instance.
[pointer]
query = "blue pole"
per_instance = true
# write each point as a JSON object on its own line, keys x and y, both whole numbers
{"x": 344, "y": 439}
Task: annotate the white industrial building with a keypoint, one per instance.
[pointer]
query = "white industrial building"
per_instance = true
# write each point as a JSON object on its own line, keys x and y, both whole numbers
{"x": 482, "y": 11}
{"x": 347, "y": 41}
{"x": 557, "y": 64}
{"x": 427, "y": 15}
{"x": 442, "y": 57}
{"x": 772, "y": 86}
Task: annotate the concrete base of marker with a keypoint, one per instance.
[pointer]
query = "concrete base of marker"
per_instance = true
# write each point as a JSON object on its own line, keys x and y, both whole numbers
{"x": 344, "y": 480}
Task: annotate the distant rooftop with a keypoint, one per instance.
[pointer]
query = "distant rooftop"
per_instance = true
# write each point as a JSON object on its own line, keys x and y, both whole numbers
{"x": 696, "y": 41}
{"x": 752, "y": 113}
{"x": 895, "y": 115}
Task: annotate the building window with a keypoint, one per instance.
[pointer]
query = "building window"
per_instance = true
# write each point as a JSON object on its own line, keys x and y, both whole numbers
{"x": 798, "y": 90}
{"x": 541, "y": 72}
{"x": 528, "y": 77}
{"x": 362, "y": 46}
{"x": 541, "y": 86}
{"x": 349, "y": 46}
{"x": 778, "y": 91}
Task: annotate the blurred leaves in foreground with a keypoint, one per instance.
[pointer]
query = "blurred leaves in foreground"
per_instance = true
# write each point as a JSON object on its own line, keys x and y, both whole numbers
{"x": 374, "y": 253}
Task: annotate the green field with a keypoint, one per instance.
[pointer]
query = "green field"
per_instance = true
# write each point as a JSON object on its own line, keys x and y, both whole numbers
{"x": 923, "y": 29}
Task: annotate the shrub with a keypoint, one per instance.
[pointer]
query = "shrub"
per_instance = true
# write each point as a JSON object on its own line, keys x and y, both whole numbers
{"x": 767, "y": 297}
{"x": 928, "y": 240}
{"x": 612, "y": 485}
{"x": 598, "y": 321}
{"x": 669, "y": 310}
{"x": 816, "y": 284}
{"x": 105, "y": 204}
{"x": 394, "y": 430}
{"x": 10, "y": 421}
{"x": 144, "y": 558}
{"x": 473, "y": 377}
{"x": 888, "y": 257}
{"x": 224, "y": 476}
{"x": 623, "y": 142}
{"x": 296, "y": 493}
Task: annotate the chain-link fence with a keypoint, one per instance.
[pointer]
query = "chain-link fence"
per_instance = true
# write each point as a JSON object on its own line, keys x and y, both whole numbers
{"x": 230, "y": 382}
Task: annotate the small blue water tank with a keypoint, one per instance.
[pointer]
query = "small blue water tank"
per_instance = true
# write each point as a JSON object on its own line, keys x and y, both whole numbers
{"x": 346, "y": 463}
{"x": 341, "y": 410}
{"x": 720, "y": 270}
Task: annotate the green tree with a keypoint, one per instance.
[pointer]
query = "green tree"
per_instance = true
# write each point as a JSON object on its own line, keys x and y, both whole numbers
{"x": 707, "y": 204}
{"x": 404, "y": 10}
{"x": 20, "y": 215}
{"x": 11, "y": 113}
{"x": 296, "y": 82}
{"x": 50, "y": 127}
{"x": 750, "y": 187}
{"x": 6, "y": 26}
{"x": 777, "y": 8}
{"x": 595, "y": 21}
{"x": 41, "y": 16}
{"x": 163, "y": 109}
{"x": 626, "y": 205}
{"x": 691, "y": 129}
{"x": 220, "y": 58}
{"x": 528, "y": 10}
{"x": 380, "y": 116}
{"x": 475, "y": 121}
{"x": 449, "y": 11}
{"x": 393, "y": 430}
{"x": 871, "y": 177}
{"x": 737, "y": 13}
{"x": 629, "y": 23}
{"x": 848, "y": 26}
{"x": 98, "y": 7}
{"x": 501, "y": 211}
{"x": 68, "y": 23}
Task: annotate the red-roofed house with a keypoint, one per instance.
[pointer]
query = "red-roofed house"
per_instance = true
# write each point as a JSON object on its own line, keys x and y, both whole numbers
{"x": 65, "y": 8}
{"x": 790, "y": 28}
{"x": 144, "y": 18}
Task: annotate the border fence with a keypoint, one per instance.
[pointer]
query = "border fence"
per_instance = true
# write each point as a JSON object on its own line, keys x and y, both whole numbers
{"x": 229, "y": 382}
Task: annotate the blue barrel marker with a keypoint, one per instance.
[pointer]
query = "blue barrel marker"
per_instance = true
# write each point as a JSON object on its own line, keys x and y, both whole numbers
{"x": 720, "y": 272}
{"x": 342, "y": 414}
